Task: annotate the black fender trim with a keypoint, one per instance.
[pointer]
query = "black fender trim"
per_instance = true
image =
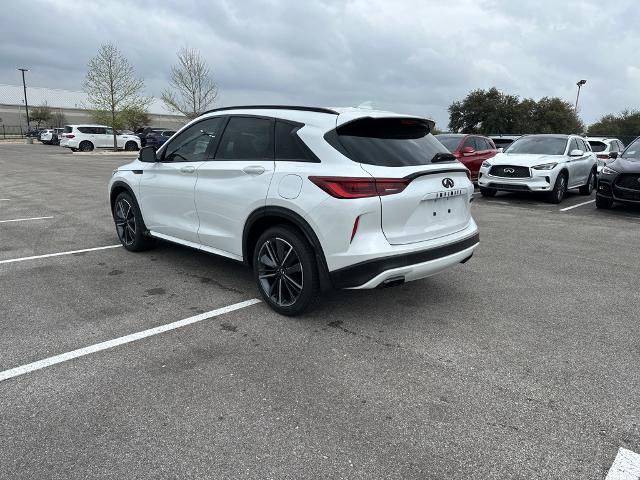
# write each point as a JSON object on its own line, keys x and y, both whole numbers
{"x": 361, "y": 273}
{"x": 298, "y": 221}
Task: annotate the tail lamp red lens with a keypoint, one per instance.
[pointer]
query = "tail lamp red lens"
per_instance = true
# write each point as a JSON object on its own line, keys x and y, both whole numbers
{"x": 360, "y": 187}
{"x": 69, "y": 135}
{"x": 603, "y": 157}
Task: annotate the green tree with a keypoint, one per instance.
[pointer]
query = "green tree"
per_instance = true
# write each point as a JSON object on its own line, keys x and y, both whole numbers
{"x": 111, "y": 85}
{"x": 131, "y": 118}
{"x": 625, "y": 124}
{"x": 41, "y": 114}
{"x": 491, "y": 111}
{"x": 192, "y": 90}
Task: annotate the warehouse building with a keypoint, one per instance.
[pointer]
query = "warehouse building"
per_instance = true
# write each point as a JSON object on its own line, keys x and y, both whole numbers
{"x": 73, "y": 105}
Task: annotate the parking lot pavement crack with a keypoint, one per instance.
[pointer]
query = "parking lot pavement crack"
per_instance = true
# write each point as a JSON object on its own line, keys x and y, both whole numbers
{"x": 338, "y": 325}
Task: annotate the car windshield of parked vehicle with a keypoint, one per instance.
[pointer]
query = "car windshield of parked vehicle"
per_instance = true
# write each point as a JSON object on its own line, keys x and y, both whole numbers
{"x": 597, "y": 146}
{"x": 536, "y": 145}
{"x": 633, "y": 151}
{"x": 451, "y": 142}
{"x": 389, "y": 142}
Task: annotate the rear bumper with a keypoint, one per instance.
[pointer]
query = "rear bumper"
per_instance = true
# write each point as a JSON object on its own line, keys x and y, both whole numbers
{"x": 406, "y": 267}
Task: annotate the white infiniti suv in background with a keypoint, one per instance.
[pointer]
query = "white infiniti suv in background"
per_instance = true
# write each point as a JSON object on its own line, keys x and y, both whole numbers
{"x": 541, "y": 163}
{"x": 310, "y": 198}
{"x": 89, "y": 137}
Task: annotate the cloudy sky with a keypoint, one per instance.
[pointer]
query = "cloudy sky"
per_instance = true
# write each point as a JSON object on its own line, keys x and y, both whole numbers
{"x": 403, "y": 55}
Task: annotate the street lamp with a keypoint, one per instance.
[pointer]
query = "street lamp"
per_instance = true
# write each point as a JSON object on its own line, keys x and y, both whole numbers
{"x": 579, "y": 84}
{"x": 24, "y": 86}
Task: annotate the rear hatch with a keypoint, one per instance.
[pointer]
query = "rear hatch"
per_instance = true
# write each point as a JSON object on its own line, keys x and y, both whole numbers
{"x": 435, "y": 201}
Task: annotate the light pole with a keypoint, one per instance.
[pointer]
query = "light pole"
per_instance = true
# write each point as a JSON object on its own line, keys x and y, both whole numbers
{"x": 24, "y": 86}
{"x": 579, "y": 84}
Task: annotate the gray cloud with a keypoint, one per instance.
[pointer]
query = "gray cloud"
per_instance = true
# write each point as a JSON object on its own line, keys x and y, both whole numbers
{"x": 411, "y": 56}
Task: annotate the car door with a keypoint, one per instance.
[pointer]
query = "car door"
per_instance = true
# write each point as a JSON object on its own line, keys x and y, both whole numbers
{"x": 585, "y": 162}
{"x": 235, "y": 182}
{"x": 106, "y": 138}
{"x": 167, "y": 187}
{"x": 574, "y": 164}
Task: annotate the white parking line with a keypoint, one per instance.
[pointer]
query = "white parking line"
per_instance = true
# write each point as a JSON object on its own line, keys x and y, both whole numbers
{"x": 576, "y": 206}
{"x": 81, "y": 352}
{"x": 71, "y": 252}
{"x": 24, "y": 219}
{"x": 4, "y": 199}
{"x": 626, "y": 466}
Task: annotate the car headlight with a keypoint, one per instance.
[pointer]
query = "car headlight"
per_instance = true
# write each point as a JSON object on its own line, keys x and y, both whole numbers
{"x": 609, "y": 171}
{"x": 486, "y": 164}
{"x": 545, "y": 166}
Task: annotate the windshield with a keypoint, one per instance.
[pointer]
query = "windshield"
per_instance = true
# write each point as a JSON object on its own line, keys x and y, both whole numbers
{"x": 389, "y": 142}
{"x": 536, "y": 145}
{"x": 632, "y": 152}
{"x": 451, "y": 142}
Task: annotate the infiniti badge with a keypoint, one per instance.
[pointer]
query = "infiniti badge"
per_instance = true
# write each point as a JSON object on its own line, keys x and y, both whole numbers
{"x": 447, "y": 182}
{"x": 509, "y": 170}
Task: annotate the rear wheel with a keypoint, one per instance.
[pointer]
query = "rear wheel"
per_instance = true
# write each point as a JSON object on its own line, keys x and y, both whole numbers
{"x": 129, "y": 224}
{"x": 488, "y": 192}
{"x": 286, "y": 272}
{"x": 131, "y": 146}
{"x": 588, "y": 188}
{"x": 603, "y": 202}
{"x": 559, "y": 189}
{"x": 85, "y": 146}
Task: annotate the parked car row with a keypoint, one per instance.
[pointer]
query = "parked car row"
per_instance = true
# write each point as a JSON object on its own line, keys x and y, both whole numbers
{"x": 154, "y": 136}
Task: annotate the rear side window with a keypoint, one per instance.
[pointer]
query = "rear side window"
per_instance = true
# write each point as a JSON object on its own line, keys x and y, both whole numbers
{"x": 86, "y": 130}
{"x": 389, "y": 142}
{"x": 246, "y": 138}
{"x": 469, "y": 142}
{"x": 289, "y": 146}
{"x": 68, "y": 129}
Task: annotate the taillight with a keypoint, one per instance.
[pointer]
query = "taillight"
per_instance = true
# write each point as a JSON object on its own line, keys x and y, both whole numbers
{"x": 360, "y": 187}
{"x": 603, "y": 157}
{"x": 69, "y": 135}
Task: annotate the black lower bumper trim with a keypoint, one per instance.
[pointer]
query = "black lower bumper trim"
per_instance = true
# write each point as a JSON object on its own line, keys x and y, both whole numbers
{"x": 361, "y": 273}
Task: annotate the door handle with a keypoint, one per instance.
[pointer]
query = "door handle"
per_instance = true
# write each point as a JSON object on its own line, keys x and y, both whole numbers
{"x": 188, "y": 169}
{"x": 254, "y": 170}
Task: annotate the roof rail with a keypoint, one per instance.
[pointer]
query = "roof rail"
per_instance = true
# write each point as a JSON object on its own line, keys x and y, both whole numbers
{"x": 274, "y": 107}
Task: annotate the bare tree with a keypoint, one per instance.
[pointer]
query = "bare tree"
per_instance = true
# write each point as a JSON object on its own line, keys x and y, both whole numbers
{"x": 112, "y": 86}
{"x": 41, "y": 114}
{"x": 58, "y": 119}
{"x": 192, "y": 89}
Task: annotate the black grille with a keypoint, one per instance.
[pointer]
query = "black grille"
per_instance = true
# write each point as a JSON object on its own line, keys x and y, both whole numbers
{"x": 629, "y": 180}
{"x": 509, "y": 171}
{"x": 510, "y": 187}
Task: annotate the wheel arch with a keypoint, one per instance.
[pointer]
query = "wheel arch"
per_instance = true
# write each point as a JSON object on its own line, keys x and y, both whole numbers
{"x": 262, "y": 218}
{"x": 116, "y": 189}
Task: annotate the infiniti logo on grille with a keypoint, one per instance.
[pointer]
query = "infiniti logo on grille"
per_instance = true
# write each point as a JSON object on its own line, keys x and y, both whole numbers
{"x": 509, "y": 170}
{"x": 447, "y": 182}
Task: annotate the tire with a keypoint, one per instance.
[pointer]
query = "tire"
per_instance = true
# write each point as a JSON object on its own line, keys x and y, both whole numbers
{"x": 559, "y": 189}
{"x": 85, "y": 146}
{"x": 130, "y": 227}
{"x": 488, "y": 192}
{"x": 603, "y": 202}
{"x": 131, "y": 146}
{"x": 590, "y": 185}
{"x": 285, "y": 271}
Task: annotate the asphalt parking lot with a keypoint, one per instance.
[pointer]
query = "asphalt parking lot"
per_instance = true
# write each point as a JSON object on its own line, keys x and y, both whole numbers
{"x": 521, "y": 363}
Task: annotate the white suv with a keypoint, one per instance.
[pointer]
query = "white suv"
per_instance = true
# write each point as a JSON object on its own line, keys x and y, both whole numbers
{"x": 603, "y": 147}
{"x": 310, "y": 198}
{"x": 89, "y": 137}
{"x": 541, "y": 163}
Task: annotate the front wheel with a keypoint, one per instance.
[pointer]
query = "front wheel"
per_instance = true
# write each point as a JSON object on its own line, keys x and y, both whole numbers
{"x": 603, "y": 202}
{"x": 129, "y": 224}
{"x": 559, "y": 189}
{"x": 285, "y": 270}
{"x": 588, "y": 188}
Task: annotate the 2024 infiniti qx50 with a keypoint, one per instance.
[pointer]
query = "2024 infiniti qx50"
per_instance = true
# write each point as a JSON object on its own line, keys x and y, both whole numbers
{"x": 310, "y": 198}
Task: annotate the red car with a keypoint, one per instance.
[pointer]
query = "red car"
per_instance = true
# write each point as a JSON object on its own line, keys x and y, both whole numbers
{"x": 471, "y": 150}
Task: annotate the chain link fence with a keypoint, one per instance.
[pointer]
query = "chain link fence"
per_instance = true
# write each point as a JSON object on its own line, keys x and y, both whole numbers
{"x": 8, "y": 132}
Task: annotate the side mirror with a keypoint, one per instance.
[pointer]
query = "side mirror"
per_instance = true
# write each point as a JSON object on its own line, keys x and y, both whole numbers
{"x": 613, "y": 155}
{"x": 147, "y": 154}
{"x": 468, "y": 150}
{"x": 576, "y": 153}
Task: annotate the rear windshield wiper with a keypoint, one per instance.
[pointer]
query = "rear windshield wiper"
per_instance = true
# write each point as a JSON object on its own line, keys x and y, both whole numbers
{"x": 441, "y": 157}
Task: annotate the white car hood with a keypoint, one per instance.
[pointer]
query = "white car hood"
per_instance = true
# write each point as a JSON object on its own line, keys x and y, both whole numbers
{"x": 525, "y": 160}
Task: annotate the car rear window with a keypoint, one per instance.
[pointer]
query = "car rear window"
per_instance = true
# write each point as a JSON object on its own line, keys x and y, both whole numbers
{"x": 68, "y": 129}
{"x": 598, "y": 146}
{"x": 389, "y": 142}
{"x": 502, "y": 142}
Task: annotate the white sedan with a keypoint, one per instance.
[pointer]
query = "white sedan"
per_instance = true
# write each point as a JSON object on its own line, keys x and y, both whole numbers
{"x": 541, "y": 163}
